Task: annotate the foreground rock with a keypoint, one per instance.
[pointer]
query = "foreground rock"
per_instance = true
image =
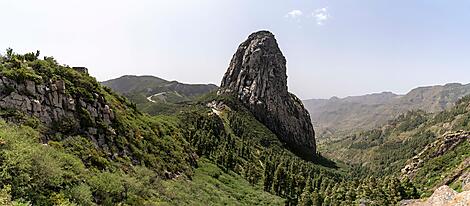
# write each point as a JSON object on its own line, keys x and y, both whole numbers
{"x": 443, "y": 196}
{"x": 257, "y": 76}
{"x": 57, "y": 109}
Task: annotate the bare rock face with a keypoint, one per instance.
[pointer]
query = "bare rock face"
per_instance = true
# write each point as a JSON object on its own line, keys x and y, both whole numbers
{"x": 257, "y": 76}
{"x": 439, "y": 147}
{"x": 52, "y": 105}
{"x": 443, "y": 196}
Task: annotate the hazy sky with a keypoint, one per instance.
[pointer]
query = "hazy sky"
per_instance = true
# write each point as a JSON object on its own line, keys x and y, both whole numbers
{"x": 333, "y": 47}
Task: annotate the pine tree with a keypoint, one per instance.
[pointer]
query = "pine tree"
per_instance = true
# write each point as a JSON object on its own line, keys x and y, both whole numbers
{"x": 305, "y": 197}
{"x": 408, "y": 190}
{"x": 317, "y": 199}
{"x": 279, "y": 180}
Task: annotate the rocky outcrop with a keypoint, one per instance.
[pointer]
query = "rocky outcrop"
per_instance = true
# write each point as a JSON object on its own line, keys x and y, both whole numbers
{"x": 257, "y": 76}
{"x": 443, "y": 196}
{"x": 81, "y": 69}
{"x": 445, "y": 143}
{"x": 57, "y": 109}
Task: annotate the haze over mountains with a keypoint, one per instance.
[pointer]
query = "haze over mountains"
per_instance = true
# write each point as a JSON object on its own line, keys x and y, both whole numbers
{"x": 90, "y": 126}
{"x": 368, "y": 111}
{"x": 68, "y": 140}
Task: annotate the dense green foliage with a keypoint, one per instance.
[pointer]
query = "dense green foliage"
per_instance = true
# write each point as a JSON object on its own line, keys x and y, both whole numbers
{"x": 385, "y": 151}
{"x": 210, "y": 184}
{"x": 59, "y": 173}
{"x": 154, "y": 95}
{"x": 221, "y": 155}
{"x": 154, "y": 144}
{"x": 139, "y": 138}
{"x": 234, "y": 139}
{"x": 444, "y": 169}
{"x": 54, "y": 174}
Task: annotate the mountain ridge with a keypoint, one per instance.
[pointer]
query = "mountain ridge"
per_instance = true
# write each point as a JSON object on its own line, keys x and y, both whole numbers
{"x": 340, "y": 115}
{"x": 213, "y": 149}
{"x": 155, "y": 95}
{"x": 427, "y": 148}
{"x": 132, "y": 85}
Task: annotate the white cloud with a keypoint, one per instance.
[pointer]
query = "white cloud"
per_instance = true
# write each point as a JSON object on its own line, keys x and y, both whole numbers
{"x": 294, "y": 14}
{"x": 321, "y": 15}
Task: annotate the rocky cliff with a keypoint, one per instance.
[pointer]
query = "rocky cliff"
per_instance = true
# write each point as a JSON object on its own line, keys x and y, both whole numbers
{"x": 49, "y": 102}
{"x": 57, "y": 109}
{"x": 439, "y": 147}
{"x": 257, "y": 76}
{"x": 445, "y": 161}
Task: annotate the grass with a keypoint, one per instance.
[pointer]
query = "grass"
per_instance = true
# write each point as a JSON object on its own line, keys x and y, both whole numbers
{"x": 212, "y": 185}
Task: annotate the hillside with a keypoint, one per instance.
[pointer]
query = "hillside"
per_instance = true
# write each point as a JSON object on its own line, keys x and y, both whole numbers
{"x": 68, "y": 152}
{"x": 155, "y": 95}
{"x": 342, "y": 115}
{"x": 68, "y": 140}
{"x": 431, "y": 149}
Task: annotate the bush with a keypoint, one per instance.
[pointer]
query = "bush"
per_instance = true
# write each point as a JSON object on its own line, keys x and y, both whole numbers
{"x": 34, "y": 171}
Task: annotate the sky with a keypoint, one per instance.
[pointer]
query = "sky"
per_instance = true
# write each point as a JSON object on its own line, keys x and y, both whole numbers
{"x": 333, "y": 47}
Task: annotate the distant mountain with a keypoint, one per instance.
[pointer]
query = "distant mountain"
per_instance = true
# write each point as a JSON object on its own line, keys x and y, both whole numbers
{"x": 341, "y": 115}
{"x": 158, "y": 89}
{"x": 430, "y": 149}
{"x": 156, "y": 95}
{"x": 66, "y": 139}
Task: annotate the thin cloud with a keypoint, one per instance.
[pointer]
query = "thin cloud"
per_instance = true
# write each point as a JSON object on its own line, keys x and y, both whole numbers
{"x": 321, "y": 15}
{"x": 294, "y": 14}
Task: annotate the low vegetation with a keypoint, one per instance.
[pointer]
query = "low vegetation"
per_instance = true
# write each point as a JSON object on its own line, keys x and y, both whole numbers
{"x": 198, "y": 154}
{"x": 385, "y": 151}
{"x": 211, "y": 183}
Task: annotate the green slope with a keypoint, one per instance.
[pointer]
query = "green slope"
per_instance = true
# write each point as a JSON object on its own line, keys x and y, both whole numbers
{"x": 211, "y": 184}
{"x": 154, "y": 95}
{"x": 212, "y": 145}
{"x": 413, "y": 136}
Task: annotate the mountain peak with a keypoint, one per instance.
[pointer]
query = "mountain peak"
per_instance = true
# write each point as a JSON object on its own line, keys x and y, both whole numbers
{"x": 261, "y": 34}
{"x": 257, "y": 76}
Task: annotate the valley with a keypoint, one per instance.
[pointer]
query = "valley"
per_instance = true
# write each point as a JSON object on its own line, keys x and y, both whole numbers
{"x": 343, "y": 115}
{"x": 243, "y": 103}
{"x": 68, "y": 139}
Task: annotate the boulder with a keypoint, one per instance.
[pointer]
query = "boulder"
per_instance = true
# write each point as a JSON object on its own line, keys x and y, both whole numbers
{"x": 30, "y": 87}
{"x": 443, "y": 196}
